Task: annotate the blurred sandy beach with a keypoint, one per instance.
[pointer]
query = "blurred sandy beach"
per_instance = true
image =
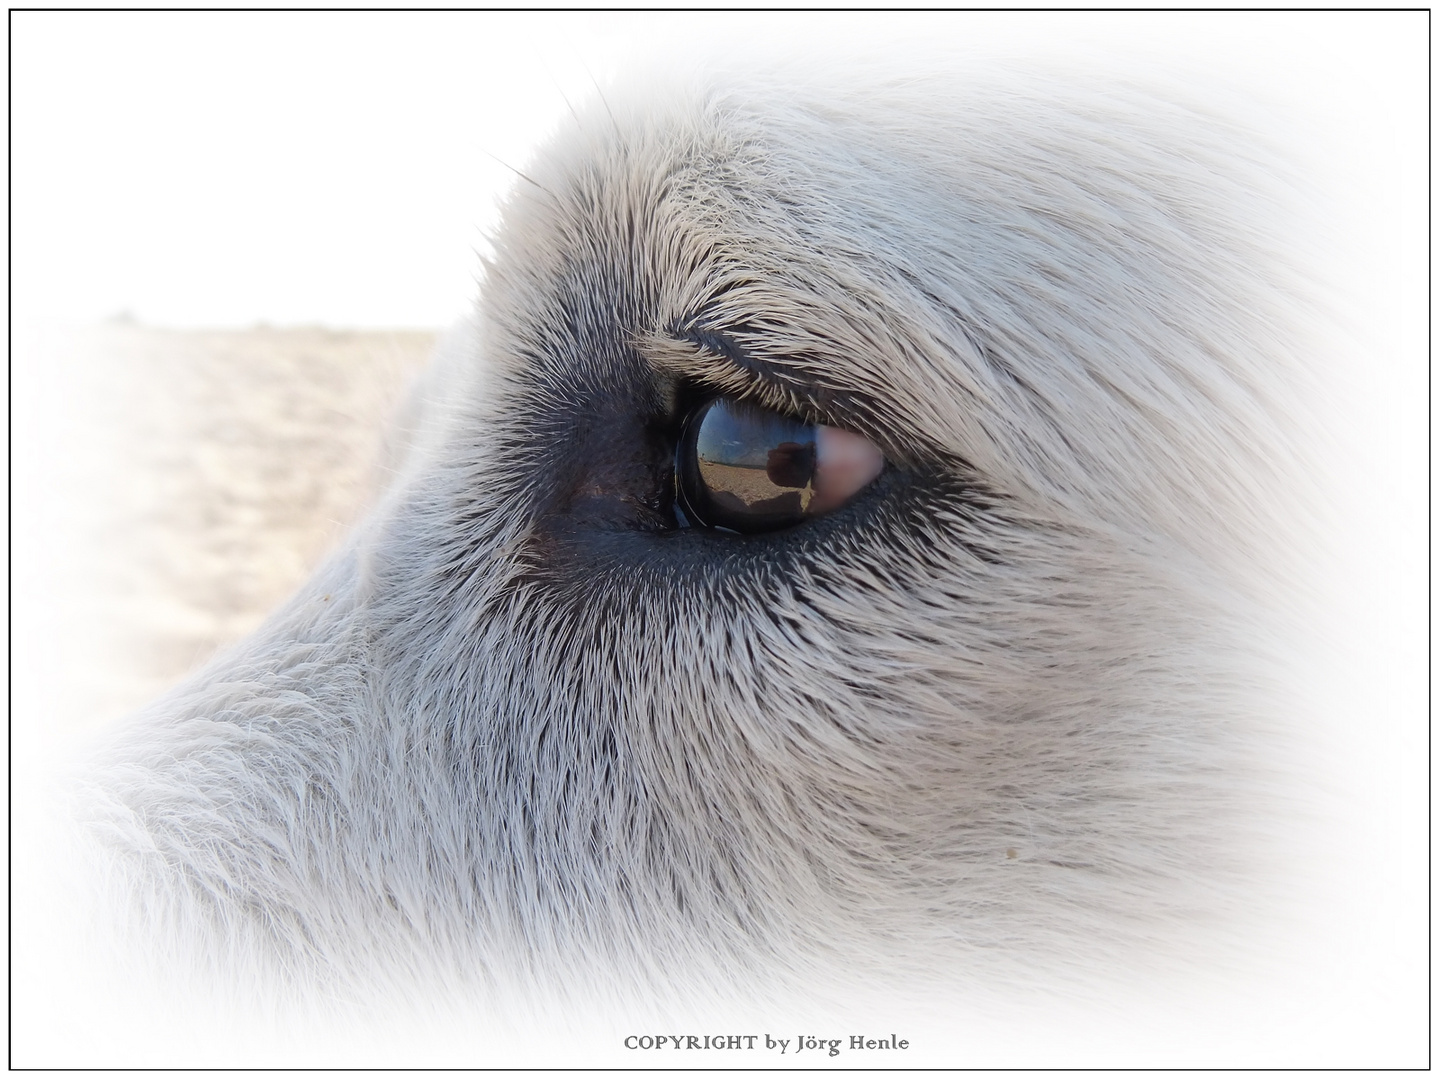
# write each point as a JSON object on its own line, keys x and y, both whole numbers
{"x": 170, "y": 488}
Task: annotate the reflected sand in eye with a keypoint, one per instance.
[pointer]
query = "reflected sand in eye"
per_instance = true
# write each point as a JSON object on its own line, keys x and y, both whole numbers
{"x": 740, "y": 488}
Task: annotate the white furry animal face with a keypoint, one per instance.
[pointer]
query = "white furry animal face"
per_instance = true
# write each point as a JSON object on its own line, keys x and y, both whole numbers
{"x": 992, "y": 714}
{"x": 996, "y": 671}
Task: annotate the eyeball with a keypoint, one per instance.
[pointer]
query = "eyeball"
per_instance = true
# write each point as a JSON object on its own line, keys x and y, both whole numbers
{"x": 750, "y": 470}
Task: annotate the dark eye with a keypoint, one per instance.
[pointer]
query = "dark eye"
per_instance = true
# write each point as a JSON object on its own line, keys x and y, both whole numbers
{"x": 750, "y": 470}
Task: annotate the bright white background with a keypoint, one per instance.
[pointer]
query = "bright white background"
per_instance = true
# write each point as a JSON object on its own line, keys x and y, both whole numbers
{"x": 221, "y": 169}
{"x": 218, "y": 169}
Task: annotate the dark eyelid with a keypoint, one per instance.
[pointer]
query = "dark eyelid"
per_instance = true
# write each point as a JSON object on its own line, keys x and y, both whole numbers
{"x": 823, "y": 404}
{"x": 719, "y": 363}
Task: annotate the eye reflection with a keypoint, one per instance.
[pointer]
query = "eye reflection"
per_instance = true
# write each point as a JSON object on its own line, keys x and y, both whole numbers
{"x": 750, "y": 470}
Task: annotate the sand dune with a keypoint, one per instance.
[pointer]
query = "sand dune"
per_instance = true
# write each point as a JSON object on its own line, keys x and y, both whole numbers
{"x": 172, "y": 487}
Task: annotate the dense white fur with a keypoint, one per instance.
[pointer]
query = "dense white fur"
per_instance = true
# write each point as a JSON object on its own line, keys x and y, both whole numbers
{"x": 1015, "y": 732}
